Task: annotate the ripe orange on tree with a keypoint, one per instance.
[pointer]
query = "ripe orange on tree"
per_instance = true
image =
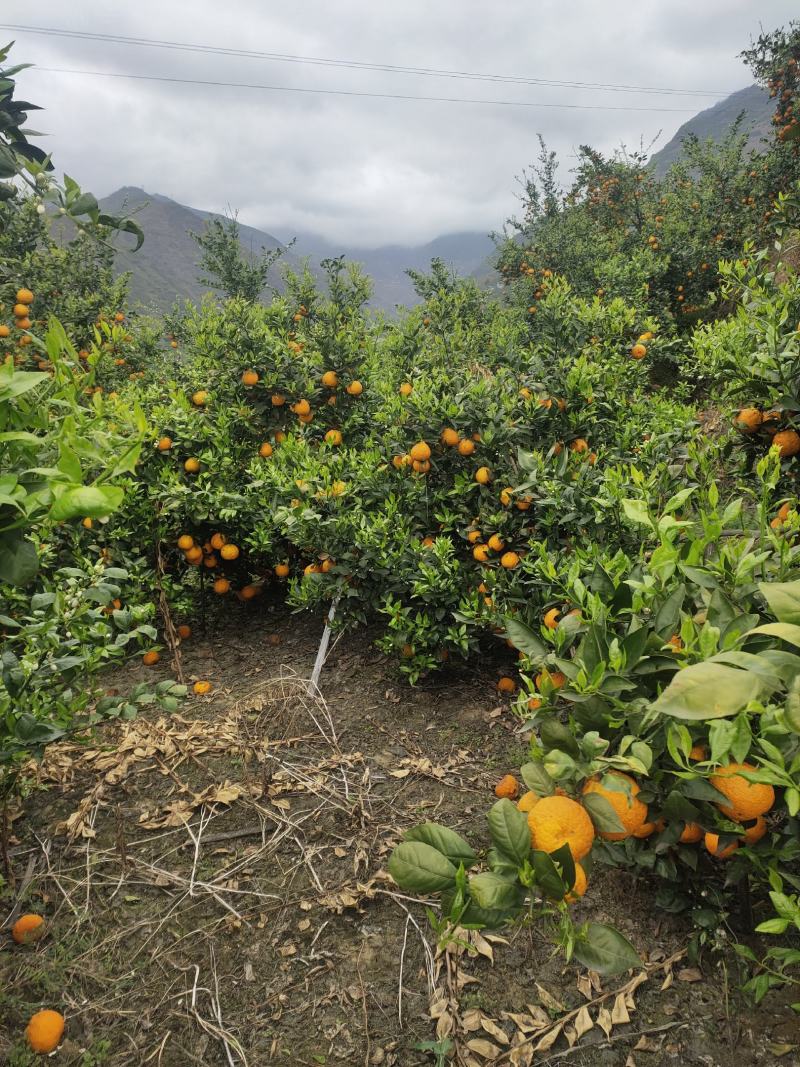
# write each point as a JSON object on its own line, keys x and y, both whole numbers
{"x": 421, "y": 466}
{"x": 199, "y": 398}
{"x": 185, "y": 542}
{"x": 281, "y": 570}
{"x": 528, "y": 801}
{"x": 221, "y": 586}
{"x": 355, "y": 388}
{"x": 420, "y": 451}
{"x": 265, "y": 451}
{"x": 474, "y": 536}
{"x": 506, "y": 685}
{"x": 330, "y": 379}
{"x": 509, "y": 560}
{"x": 496, "y": 544}
{"x": 406, "y": 389}
{"x": 449, "y": 436}
{"x": 20, "y": 311}
{"x": 746, "y": 800}
{"x": 638, "y": 351}
{"x": 466, "y": 447}
{"x": 507, "y": 787}
{"x": 333, "y": 437}
{"x": 192, "y": 465}
{"x": 483, "y": 475}
{"x": 302, "y": 407}
{"x": 787, "y": 443}
{"x": 24, "y": 296}
{"x": 277, "y": 400}
{"x": 754, "y": 833}
{"x": 580, "y": 444}
{"x": 184, "y": 631}
{"x": 578, "y": 886}
{"x": 250, "y": 377}
{"x": 480, "y": 553}
{"x": 551, "y": 618}
{"x": 164, "y": 444}
{"x": 229, "y": 551}
{"x": 4, "y": 330}
{"x": 218, "y": 540}
{"x": 556, "y": 678}
{"x": 691, "y": 833}
{"x": 748, "y": 420}
{"x": 620, "y": 791}
{"x": 557, "y": 821}
{"x": 713, "y": 846}
{"x": 45, "y": 1030}
{"x": 194, "y": 554}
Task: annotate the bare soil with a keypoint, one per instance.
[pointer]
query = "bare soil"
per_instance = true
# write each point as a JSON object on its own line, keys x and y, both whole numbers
{"x": 215, "y": 889}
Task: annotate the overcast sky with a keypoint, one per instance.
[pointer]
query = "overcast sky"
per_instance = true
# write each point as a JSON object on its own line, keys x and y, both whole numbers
{"x": 360, "y": 170}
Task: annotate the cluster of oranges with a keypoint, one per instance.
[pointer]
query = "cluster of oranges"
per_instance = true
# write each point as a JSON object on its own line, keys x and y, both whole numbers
{"x": 752, "y": 420}
{"x": 784, "y": 87}
{"x": 22, "y": 322}
{"x": 45, "y": 1028}
{"x": 639, "y": 350}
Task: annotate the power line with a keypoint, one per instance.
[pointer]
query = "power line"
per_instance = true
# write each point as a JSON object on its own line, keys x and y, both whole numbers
{"x": 354, "y": 92}
{"x": 430, "y": 72}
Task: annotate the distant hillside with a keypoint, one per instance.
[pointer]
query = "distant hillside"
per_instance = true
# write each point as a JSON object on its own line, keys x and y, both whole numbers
{"x": 717, "y": 120}
{"x": 166, "y": 268}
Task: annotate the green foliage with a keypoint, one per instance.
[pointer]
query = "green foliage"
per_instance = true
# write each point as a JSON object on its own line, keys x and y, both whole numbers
{"x": 226, "y": 267}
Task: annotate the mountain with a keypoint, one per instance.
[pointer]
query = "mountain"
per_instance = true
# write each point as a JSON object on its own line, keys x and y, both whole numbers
{"x": 715, "y": 122}
{"x": 166, "y": 268}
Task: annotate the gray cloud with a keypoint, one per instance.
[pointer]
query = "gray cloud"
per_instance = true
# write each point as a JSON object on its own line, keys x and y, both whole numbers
{"x": 361, "y": 170}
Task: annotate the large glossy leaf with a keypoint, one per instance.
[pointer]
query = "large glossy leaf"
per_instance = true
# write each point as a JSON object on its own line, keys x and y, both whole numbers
{"x": 606, "y": 950}
{"x": 555, "y": 734}
{"x": 493, "y": 892}
{"x": 444, "y": 840}
{"x": 603, "y": 816}
{"x": 785, "y": 631}
{"x": 420, "y": 868}
{"x": 509, "y": 829}
{"x": 783, "y": 599}
{"x": 523, "y": 638}
{"x": 537, "y": 779}
{"x": 19, "y": 560}
{"x": 708, "y": 691}
{"x": 94, "y": 501}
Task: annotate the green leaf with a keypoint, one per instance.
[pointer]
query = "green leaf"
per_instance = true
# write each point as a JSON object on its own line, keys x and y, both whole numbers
{"x": 668, "y": 618}
{"x": 707, "y": 691}
{"x": 19, "y": 560}
{"x": 508, "y": 827}
{"x": 793, "y": 706}
{"x": 783, "y": 599}
{"x": 605, "y": 950}
{"x": 548, "y": 877}
{"x": 444, "y": 840}
{"x": 678, "y": 500}
{"x": 421, "y": 868}
{"x": 523, "y": 638}
{"x": 636, "y": 511}
{"x": 94, "y": 501}
{"x": 603, "y": 816}
{"x": 493, "y": 892}
{"x": 537, "y": 779}
{"x": 788, "y": 632}
{"x": 555, "y": 734}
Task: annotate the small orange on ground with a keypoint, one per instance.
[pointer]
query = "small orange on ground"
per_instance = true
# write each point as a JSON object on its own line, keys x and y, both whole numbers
{"x": 201, "y": 688}
{"x": 557, "y": 821}
{"x": 579, "y": 886}
{"x": 149, "y": 659}
{"x": 509, "y": 560}
{"x": 630, "y": 811}
{"x": 507, "y": 787}
{"x": 747, "y": 800}
{"x": 466, "y": 447}
{"x": 483, "y": 475}
{"x": 185, "y": 542}
{"x": 333, "y": 437}
{"x": 265, "y": 451}
{"x": 755, "y": 832}
{"x": 748, "y": 420}
{"x": 406, "y": 389}
{"x": 184, "y": 631}
{"x": 496, "y": 543}
{"x": 218, "y": 540}
{"x": 480, "y": 553}
{"x": 330, "y": 379}
{"x": 45, "y": 1030}
{"x": 506, "y": 685}
{"x": 28, "y": 928}
{"x": 692, "y": 832}
{"x": 712, "y": 844}
{"x": 449, "y": 436}
{"x": 528, "y": 801}
{"x": 221, "y": 586}
{"x": 192, "y": 465}
{"x": 164, "y": 444}
{"x": 355, "y": 388}
{"x": 638, "y": 351}
{"x": 229, "y": 551}
{"x": 199, "y": 398}
{"x": 250, "y": 377}
{"x": 787, "y": 442}
{"x": 551, "y": 618}
{"x": 281, "y": 570}
{"x": 420, "y": 451}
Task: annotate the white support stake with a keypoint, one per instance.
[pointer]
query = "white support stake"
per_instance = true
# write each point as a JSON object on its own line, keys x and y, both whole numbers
{"x": 322, "y": 651}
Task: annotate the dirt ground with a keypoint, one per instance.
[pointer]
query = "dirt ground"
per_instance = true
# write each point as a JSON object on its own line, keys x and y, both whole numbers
{"x": 215, "y": 889}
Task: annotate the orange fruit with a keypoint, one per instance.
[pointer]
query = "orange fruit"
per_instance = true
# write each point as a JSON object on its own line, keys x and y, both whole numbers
{"x": 305, "y": 418}
{"x": 201, "y": 688}
{"x": 277, "y": 400}
{"x": 495, "y": 543}
{"x": 250, "y": 377}
{"x": 483, "y": 475}
{"x": 557, "y": 821}
{"x": 407, "y": 651}
{"x": 333, "y": 437}
{"x": 149, "y": 659}
{"x": 507, "y": 787}
{"x": 506, "y": 685}
{"x": 754, "y": 833}
{"x": 4, "y": 330}
{"x": 748, "y": 420}
{"x": 23, "y": 324}
{"x": 164, "y": 444}
{"x": 632, "y": 813}
{"x": 265, "y": 451}
{"x": 192, "y": 465}
{"x": 509, "y": 560}
{"x": 229, "y": 551}
{"x": 28, "y": 928}
{"x": 712, "y": 844}
{"x": 24, "y": 296}
{"x": 557, "y": 679}
{"x": 221, "y": 586}
{"x": 406, "y": 389}
{"x": 551, "y": 618}
{"x": 747, "y": 800}
{"x": 638, "y": 351}
{"x": 194, "y": 554}
{"x": 580, "y": 444}
{"x": 20, "y": 311}
{"x": 692, "y": 832}
{"x": 87, "y": 523}
{"x": 281, "y": 570}
{"x": 184, "y": 631}
{"x": 698, "y": 753}
{"x": 466, "y": 447}
{"x": 534, "y": 704}
{"x": 199, "y": 398}
{"x": 528, "y": 801}
{"x": 506, "y": 496}
{"x": 420, "y": 451}
{"x": 524, "y": 503}
{"x": 421, "y": 466}
{"x": 330, "y": 379}
{"x": 787, "y": 443}
{"x": 579, "y": 885}
{"x": 355, "y": 388}
{"x": 218, "y": 540}
{"x": 210, "y": 561}
{"x": 45, "y": 1030}
{"x": 474, "y": 536}
{"x": 302, "y": 407}
{"x": 480, "y": 553}
{"x": 185, "y": 542}
{"x": 449, "y": 436}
